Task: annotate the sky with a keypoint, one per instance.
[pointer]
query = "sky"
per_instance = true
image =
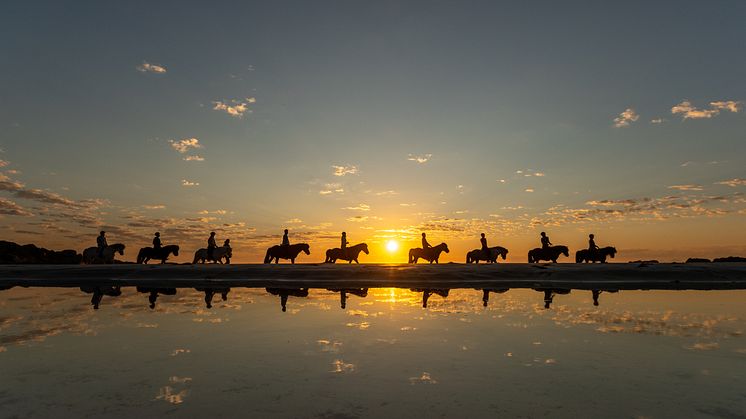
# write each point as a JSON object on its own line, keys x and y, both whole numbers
{"x": 382, "y": 119}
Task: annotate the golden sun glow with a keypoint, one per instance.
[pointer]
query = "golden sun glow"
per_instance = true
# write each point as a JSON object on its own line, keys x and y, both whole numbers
{"x": 392, "y": 246}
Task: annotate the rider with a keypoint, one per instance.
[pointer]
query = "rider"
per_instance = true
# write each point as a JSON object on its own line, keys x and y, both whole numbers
{"x": 285, "y": 240}
{"x": 485, "y": 249}
{"x": 227, "y": 243}
{"x": 592, "y": 248}
{"x": 344, "y": 243}
{"x": 157, "y": 241}
{"x": 545, "y": 243}
{"x": 211, "y": 245}
{"x": 425, "y": 244}
{"x": 101, "y": 243}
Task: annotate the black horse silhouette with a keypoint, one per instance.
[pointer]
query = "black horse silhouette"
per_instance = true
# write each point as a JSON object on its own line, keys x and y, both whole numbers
{"x": 486, "y": 294}
{"x": 549, "y": 294}
{"x": 211, "y": 291}
{"x": 284, "y": 293}
{"x": 477, "y": 254}
{"x": 599, "y": 255}
{"x": 551, "y": 253}
{"x": 155, "y": 292}
{"x": 360, "y": 292}
{"x": 597, "y": 293}
{"x": 147, "y": 253}
{"x": 431, "y": 255}
{"x": 427, "y": 292}
{"x": 351, "y": 254}
{"x": 291, "y": 252}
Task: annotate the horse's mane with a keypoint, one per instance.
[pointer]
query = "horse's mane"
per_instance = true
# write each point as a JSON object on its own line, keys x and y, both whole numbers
{"x": 357, "y": 245}
{"x": 117, "y": 246}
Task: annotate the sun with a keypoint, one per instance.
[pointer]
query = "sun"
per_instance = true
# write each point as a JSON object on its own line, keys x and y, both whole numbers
{"x": 392, "y": 246}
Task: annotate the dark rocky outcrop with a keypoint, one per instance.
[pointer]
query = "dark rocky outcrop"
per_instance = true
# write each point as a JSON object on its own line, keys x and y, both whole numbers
{"x": 698, "y": 260}
{"x": 644, "y": 261}
{"x": 12, "y": 253}
{"x": 730, "y": 259}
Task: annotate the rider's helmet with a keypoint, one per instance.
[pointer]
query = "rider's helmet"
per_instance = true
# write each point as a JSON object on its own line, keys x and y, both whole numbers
{"x": 591, "y": 236}
{"x": 286, "y": 231}
{"x": 423, "y": 234}
{"x": 212, "y": 233}
{"x": 543, "y": 233}
{"x": 344, "y": 233}
{"x": 102, "y": 232}
{"x": 157, "y": 234}
{"x": 482, "y": 234}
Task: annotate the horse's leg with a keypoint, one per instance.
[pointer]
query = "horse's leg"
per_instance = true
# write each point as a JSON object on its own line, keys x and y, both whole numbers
{"x": 292, "y": 260}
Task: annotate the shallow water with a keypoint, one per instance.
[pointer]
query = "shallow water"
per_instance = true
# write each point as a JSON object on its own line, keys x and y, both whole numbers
{"x": 637, "y": 354}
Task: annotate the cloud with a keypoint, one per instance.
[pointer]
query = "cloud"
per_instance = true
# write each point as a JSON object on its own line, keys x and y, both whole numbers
{"x": 146, "y": 67}
{"x": 185, "y": 144}
{"x": 359, "y": 207}
{"x": 4, "y": 163}
{"x": 387, "y": 193}
{"x": 235, "y": 108}
{"x": 732, "y": 182}
{"x": 688, "y": 111}
{"x": 331, "y": 188}
{"x": 529, "y": 189}
{"x": 154, "y": 207}
{"x": 657, "y": 121}
{"x": 686, "y": 187}
{"x": 626, "y": 118}
{"x": 344, "y": 170}
{"x": 423, "y": 158}
{"x": 193, "y": 158}
{"x": 8, "y": 207}
{"x": 294, "y": 221}
{"x": 185, "y": 182}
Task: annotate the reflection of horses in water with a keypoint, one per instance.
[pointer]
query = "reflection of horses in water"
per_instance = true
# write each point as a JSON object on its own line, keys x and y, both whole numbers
{"x": 218, "y": 254}
{"x": 211, "y": 291}
{"x": 477, "y": 254}
{"x": 360, "y": 292}
{"x": 427, "y": 292}
{"x": 99, "y": 292}
{"x": 284, "y": 293}
{"x": 549, "y": 294}
{"x": 599, "y": 255}
{"x": 551, "y": 253}
{"x": 486, "y": 294}
{"x": 147, "y": 253}
{"x": 286, "y": 252}
{"x": 431, "y": 255}
{"x": 349, "y": 255}
{"x": 154, "y": 293}
{"x": 90, "y": 255}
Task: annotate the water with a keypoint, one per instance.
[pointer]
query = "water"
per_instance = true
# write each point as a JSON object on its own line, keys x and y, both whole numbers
{"x": 637, "y": 354}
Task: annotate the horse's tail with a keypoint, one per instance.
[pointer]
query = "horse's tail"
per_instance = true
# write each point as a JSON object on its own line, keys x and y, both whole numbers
{"x": 530, "y": 256}
{"x": 411, "y": 256}
{"x": 578, "y": 256}
{"x": 267, "y": 258}
{"x": 468, "y": 258}
{"x": 328, "y": 256}
{"x": 141, "y": 256}
{"x": 196, "y": 257}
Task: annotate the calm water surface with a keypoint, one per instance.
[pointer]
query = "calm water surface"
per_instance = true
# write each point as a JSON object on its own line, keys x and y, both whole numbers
{"x": 650, "y": 354}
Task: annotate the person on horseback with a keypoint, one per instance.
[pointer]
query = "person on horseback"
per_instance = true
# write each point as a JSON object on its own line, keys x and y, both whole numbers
{"x": 227, "y": 243}
{"x": 344, "y": 243}
{"x": 101, "y": 243}
{"x": 425, "y": 244}
{"x": 211, "y": 245}
{"x": 157, "y": 242}
{"x": 545, "y": 243}
{"x": 485, "y": 249}
{"x": 285, "y": 239}
{"x": 592, "y": 247}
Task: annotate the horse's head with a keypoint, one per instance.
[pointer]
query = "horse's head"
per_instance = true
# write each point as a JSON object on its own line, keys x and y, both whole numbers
{"x": 119, "y": 248}
{"x": 444, "y": 247}
{"x": 612, "y": 251}
{"x": 565, "y": 250}
{"x": 504, "y": 253}
{"x": 306, "y": 248}
{"x": 364, "y": 246}
{"x": 176, "y": 250}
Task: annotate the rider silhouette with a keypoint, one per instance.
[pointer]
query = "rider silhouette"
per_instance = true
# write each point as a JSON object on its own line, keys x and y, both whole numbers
{"x": 101, "y": 243}
{"x": 592, "y": 248}
{"x": 485, "y": 249}
{"x": 545, "y": 243}
{"x": 425, "y": 244}
{"x": 211, "y": 245}
{"x": 227, "y": 243}
{"x": 285, "y": 240}
{"x": 344, "y": 243}
{"x": 157, "y": 241}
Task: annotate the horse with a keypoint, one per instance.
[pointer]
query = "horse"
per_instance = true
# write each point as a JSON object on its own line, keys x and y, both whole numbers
{"x": 147, "y": 253}
{"x": 350, "y": 254}
{"x": 551, "y": 253}
{"x": 477, "y": 254}
{"x": 90, "y": 255}
{"x": 291, "y": 252}
{"x": 431, "y": 255}
{"x": 218, "y": 254}
{"x": 599, "y": 255}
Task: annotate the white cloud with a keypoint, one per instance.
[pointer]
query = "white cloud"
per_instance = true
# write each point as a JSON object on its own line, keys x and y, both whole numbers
{"x": 235, "y": 108}
{"x": 151, "y": 68}
{"x": 359, "y": 207}
{"x": 184, "y": 145}
{"x": 4, "y": 163}
{"x": 657, "y": 121}
{"x": 626, "y": 118}
{"x": 423, "y": 158}
{"x": 686, "y": 187}
{"x": 331, "y": 188}
{"x": 689, "y": 111}
{"x": 529, "y": 190}
{"x": 294, "y": 221}
{"x": 154, "y": 207}
{"x": 733, "y": 182}
{"x": 8, "y": 207}
{"x": 194, "y": 158}
{"x": 345, "y": 170}
{"x": 185, "y": 182}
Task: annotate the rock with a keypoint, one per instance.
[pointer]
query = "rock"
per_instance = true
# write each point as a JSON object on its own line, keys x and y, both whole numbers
{"x": 644, "y": 261}
{"x": 698, "y": 260}
{"x": 730, "y": 259}
{"x": 13, "y": 253}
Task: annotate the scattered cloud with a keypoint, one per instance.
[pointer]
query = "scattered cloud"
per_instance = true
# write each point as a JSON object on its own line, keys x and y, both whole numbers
{"x": 194, "y": 158}
{"x": 332, "y": 188}
{"x": 345, "y": 170}
{"x": 732, "y": 182}
{"x": 235, "y": 108}
{"x": 154, "y": 207}
{"x": 501, "y": 180}
{"x": 359, "y": 207}
{"x": 626, "y": 118}
{"x": 686, "y": 187}
{"x": 423, "y": 158}
{"x": 185, "y": 144}
{"x": 294, "y": 221}
{"x": 689, "y": 111}
{"x": 387, "y": 193}
{"x": 185, "y": 182}
{"x": 4, "y": 163}
{"x": 657, "y": 121}
{"x": 8, "y": 207}
{"x": 529, "y": 189}
{"x": 146, "y": 67}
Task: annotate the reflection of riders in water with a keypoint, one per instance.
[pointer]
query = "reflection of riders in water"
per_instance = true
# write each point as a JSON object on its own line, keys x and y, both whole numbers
{"x": 360, "y": 292}
{"x": 597, "y": 293}
{"x": 157, "y": 241}
{"x": 344, "y": 243}
{"x": 426, "y": 293}
{"x": 154, "y": 292}
{"x": 550, "y": 293}
{"x": 101, "y": 243}
{"x": 485, "y": 249}
{"x": 545, "y": 243}
{"x": 211, "y": 245}
{"x": 285, "y": 292}
{"x": 425, "y": 244}
{"x": 210, "y": 292}
{"x": 486, "y": 294}
{"x": 285, "y": 239}
{"x": 99, "y": 292}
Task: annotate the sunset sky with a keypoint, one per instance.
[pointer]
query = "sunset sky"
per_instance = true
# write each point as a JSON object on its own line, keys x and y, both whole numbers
{"x": 382, "y": 119}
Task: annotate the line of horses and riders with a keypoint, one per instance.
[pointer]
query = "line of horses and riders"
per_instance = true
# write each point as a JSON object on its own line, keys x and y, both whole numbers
{"x": 104, "y": 253}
